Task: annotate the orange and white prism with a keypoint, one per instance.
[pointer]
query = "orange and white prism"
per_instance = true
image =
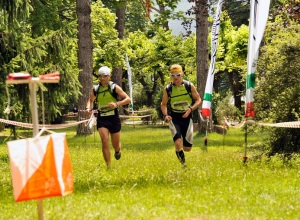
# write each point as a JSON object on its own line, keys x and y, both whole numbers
{"x": 41, "y": 167}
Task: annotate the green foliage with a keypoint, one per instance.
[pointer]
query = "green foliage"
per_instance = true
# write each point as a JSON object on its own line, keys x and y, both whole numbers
{"x": 135, "y": 17}
{"x": 42, "y": 47}
{"x": 226, "y": 109}
{"x": 166, "y": 12}
{"x": 236, "y": 41}
{"x": 189, "y": 58}
{"x": 150, "y": 59}
{"x": 144, "y": 110}
{"x": 238, "y": 11}
{"x": 277, "y": 97}
{"x": 108, "y": 49}
{"x": 231, "y": 65}
{"x": 284, "y": 11}
{"x": 15, "y": 11}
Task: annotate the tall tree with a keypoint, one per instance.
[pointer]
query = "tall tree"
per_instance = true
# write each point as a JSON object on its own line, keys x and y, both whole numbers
{"x": 119, "y": 7}
{"x": 38, "y": 48}
{"x": 120, "y": 27}
{"x": 201, "y": 11}
{"x": 135, "y": 16}
{"x": 85, "y": 59}
{"x": 238, "y": 11}
{"x": 165, "y": 10}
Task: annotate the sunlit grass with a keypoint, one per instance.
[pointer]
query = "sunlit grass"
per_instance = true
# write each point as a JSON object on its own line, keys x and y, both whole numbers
{"x": 148, "y": 182}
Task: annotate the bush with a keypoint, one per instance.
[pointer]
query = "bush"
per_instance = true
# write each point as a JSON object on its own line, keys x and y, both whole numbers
{"x": 227, "y": 109}
{"x": 277, "y": 96}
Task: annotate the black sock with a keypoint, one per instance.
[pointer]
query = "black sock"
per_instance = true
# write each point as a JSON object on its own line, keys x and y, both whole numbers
{"x": 180, "y": 156}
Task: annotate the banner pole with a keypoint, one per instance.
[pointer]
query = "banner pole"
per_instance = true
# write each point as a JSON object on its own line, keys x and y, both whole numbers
{"x": 245, "y": 148}
{"x": 34, "y": 113}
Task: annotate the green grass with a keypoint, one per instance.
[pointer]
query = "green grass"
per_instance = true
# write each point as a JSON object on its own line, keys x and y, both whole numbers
{"x": 149, "y": 182}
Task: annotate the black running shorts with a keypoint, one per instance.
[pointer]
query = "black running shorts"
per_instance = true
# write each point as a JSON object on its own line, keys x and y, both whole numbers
{"x": 182, "y": 128}
{"x": 112, "y": 123}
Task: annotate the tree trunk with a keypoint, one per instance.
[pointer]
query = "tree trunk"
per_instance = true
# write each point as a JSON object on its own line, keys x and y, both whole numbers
{"x": 201, "y": 46}
{"x": 120, "y": 27}
{"x": 85, "y": 60}
{"x": 162, "y": 10}
{"x": 236, "y": 88}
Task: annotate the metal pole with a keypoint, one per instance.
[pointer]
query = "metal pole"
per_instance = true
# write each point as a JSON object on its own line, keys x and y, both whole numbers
{"x": 33, "y": 104}
{"x": 245, "y": 149}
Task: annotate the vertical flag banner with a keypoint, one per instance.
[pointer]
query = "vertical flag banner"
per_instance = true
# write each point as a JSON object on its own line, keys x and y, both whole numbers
{"x": 259, "y": 11}
{"x": 129, "y": 82}
{"x": 41, "y": 167}
{"x": 206, "y": 106}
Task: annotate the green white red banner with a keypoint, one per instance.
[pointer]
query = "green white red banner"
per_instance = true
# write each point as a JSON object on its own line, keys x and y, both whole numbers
{"x": 259, "y": 11}
{"x": 206, "y": 105}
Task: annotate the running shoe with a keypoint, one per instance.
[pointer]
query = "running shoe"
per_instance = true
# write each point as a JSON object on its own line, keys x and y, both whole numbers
{"x": 118, "y": 155}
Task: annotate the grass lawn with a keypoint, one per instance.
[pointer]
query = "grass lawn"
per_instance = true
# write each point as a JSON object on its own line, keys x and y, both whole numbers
{"x": 148, "y": 182}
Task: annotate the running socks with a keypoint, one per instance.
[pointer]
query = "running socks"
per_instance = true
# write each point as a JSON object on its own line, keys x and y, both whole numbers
{"x": 180, "y": 156}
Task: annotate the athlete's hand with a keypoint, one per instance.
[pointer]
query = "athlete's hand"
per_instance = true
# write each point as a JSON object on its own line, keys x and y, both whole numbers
{"x": 167, "y": 118}
{"x": 188, "y": 111}
{"x": 88, "y": 112}
{"x": 113, "y": 105}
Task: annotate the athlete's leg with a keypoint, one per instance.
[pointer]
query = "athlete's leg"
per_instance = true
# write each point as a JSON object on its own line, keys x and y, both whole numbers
{"x": 176, "y": 133}
{"x": 187, "y": 134}
{"x": 115, "y": 140}
{"x": 104, "y": 135}
{"x": 178, "y": 144}
{"x": 179, "y": 151}
{"x": 187, "y": 149}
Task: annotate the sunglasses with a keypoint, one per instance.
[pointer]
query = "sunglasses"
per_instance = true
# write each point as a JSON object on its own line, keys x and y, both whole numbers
{"x": 103, "y": 76}
{"x": 176, "y": 75}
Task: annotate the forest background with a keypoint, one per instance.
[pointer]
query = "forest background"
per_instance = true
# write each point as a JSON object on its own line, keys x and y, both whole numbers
{"x": 40, "y": 37}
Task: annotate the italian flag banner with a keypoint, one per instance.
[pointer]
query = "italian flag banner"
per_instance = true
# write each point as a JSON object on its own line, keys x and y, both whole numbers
{"x": 206, "y": 105}
{"x": 259, "y": 12}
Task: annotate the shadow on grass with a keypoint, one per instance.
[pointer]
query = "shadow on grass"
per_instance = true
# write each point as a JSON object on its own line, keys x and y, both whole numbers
{"x": 153, "y": 137}
{"x": 235, "y": 137}
{"x": 140, "y": 137}
{"x": 156, "y": 180}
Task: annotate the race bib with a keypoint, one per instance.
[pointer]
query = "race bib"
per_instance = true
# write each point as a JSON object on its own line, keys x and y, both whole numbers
{"x": 106, "y": 111}
{"x": 180, "y": 105}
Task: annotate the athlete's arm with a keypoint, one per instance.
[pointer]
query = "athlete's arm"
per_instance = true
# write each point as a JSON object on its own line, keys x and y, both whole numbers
{"x": 197, "y": 102}
{"x": 90, "y": 102}
{"x": 163, "y": 106}
{"x": 196, "y": 98}
{"x": 125, "y": 99}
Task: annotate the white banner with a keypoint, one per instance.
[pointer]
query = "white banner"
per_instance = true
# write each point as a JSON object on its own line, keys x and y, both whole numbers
{"x": 206, "y": 106}
{"x": 259, "y": 11}
{"x": 129, "y": 81}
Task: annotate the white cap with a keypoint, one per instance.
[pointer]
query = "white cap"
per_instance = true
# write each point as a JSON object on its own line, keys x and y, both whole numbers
{"x": 104, "y": 70}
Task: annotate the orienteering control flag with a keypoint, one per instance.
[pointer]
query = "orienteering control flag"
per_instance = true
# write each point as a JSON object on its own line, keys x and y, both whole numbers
{"x": 41, "y": 167}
